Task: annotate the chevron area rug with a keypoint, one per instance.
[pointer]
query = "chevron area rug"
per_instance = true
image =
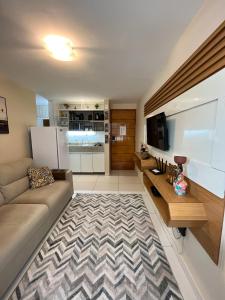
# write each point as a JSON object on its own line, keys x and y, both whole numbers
{"x": 103, "y": 247}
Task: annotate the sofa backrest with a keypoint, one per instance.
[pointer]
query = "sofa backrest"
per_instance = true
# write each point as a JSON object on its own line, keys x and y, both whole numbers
{"x": 13, "y": 179}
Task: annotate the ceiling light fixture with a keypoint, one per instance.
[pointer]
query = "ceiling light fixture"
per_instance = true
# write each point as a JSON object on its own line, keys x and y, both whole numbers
{"x": 60, "y": 47}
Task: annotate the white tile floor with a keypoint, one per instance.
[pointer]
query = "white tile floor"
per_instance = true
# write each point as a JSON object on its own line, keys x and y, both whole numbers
{"x": 128, "y": 181}
{"x": 120, "y": 181}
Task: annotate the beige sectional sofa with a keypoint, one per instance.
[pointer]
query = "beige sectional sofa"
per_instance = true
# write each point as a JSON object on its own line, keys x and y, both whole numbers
{"x": 26, "y": 216}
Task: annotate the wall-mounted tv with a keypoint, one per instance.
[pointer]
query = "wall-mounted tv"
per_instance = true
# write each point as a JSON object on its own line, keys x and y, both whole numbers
{"x": 157, "y": 132}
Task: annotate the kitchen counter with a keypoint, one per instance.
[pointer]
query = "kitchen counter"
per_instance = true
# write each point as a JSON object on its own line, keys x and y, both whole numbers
{"x": 86, "y": 148}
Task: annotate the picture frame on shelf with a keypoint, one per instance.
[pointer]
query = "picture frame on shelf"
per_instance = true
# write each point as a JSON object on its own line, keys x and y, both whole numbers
{"x": 4, "y": 125}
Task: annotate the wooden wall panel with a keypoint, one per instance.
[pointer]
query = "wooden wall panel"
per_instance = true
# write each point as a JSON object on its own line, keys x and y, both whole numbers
{"x": 116, "y": 131}
{"x": 209, "y": 235}
{"x": 128, "y": 165}
{"x": 123, "y": 114}
{"x": 204, "y": 62}
{"x": 129, "y": 123}
{"x": 122, "y": 147}
{"x": 127, "y": 141}
{"x": 122, "y": 157}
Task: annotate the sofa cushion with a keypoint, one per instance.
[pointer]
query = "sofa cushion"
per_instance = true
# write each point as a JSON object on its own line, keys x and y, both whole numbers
{"x": 55, "y": 196}
{"x": 18, "y": 224}
{"x": 13, "y": 171}
{"x": 40, "y": 177}
{"x": 14, "y": 189}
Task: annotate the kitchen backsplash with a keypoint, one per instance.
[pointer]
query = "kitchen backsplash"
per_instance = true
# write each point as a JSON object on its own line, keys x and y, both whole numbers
{"x": 83, "y": 137}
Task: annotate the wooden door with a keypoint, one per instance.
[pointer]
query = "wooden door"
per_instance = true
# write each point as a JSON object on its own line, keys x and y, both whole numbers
{"x": 122, "y": 138}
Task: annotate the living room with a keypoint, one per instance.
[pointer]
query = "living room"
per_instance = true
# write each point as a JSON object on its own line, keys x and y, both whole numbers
{"x": 135, "y": 88}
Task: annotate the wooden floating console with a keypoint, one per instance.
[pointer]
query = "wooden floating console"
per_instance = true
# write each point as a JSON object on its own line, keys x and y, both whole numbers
{"x": 200, "y": 210}
{"x": 144, "y": 164}
{"x": 176, "y": 211}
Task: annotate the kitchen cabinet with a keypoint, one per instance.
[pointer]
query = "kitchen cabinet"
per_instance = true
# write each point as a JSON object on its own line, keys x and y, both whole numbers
{"x": 86, "y": 162}
{"x": 98, "y": 162}
{"x": 74, "y": 160}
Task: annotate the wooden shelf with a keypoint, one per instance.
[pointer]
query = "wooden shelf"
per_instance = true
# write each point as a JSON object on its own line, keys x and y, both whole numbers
{"x": 79, "y": 109}
{"x": 144, "y": 164}
{"x": 200, "y": 210}
{"x": 176, "y": 211}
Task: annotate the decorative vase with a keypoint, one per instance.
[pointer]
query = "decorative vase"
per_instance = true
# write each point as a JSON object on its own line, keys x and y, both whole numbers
{"x": 180, "y": 185}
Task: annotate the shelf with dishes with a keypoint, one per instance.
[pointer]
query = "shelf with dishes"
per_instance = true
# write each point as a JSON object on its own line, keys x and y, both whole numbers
{"x": 93, "y": 121}
{"x": 86, "y": 125}
{"x": 86, "y": 115}
{"x": 82, "y": 120}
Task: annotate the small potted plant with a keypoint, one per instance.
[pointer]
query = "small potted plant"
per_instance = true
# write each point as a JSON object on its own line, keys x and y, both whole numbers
{"x": 66, "y": 105}
{"x": 96, "y": 106}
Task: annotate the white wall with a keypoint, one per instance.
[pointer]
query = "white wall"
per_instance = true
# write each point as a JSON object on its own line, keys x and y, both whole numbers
{"x": 209, "y": 278}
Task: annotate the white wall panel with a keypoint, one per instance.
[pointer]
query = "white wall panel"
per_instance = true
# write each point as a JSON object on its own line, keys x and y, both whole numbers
{"x": 218, "y": 155}
{"x": 191, "y": 132}
{"x": 196, "y": 124}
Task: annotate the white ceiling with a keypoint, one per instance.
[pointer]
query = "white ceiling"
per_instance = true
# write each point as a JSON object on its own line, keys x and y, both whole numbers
{"x": 121, "y": 45}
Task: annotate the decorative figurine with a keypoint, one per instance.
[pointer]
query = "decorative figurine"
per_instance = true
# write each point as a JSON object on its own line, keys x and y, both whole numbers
{"x": 180, "y": 185}
{"x": 171, "y": 174}
{"x": 180, "y": 160}
{"x": 143, "y": 148}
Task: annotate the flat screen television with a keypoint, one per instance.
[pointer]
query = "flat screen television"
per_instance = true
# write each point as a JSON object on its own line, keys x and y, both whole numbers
{"x": 157, "y": 132}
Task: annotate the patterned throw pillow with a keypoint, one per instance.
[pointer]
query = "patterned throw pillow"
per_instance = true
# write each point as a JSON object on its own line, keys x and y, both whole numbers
{"x": 39, "y": 177}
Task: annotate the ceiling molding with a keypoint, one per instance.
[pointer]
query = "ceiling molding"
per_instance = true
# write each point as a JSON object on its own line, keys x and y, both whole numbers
{"x": 204, "y": 62}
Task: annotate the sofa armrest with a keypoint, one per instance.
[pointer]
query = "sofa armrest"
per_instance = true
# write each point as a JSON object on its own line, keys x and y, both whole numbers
{"x": 69, "y": 176}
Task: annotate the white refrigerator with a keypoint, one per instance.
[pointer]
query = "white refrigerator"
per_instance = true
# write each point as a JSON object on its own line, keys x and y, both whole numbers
{"x": 50, "y": 147}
